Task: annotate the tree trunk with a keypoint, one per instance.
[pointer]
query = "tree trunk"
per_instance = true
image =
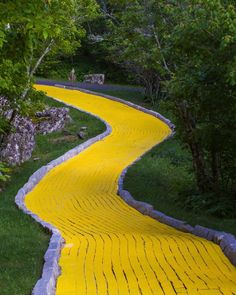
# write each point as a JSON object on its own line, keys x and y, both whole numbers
{"x": 33, "y": 70}
{"x": 188, "y": 121}
{"x": 152, "y": 85}
{"x": 215, "y": 167}
{"x": 199, "y": 166}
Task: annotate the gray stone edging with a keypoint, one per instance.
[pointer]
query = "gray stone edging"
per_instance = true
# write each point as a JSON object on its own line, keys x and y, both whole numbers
{"x": 135, "y": 106}
{"x": 51, "y": 270}
{"x": 226, "y": 241}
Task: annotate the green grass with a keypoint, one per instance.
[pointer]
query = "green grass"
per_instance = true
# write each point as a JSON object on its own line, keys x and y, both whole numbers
{"x": 164, "y": 176}
{"x": 53, "y": 79}
{"x": 23, "y": 242}
{"x": 134, "y": 96}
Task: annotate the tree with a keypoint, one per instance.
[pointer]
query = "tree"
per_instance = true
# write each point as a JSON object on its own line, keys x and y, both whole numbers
{"x": 203, "y": 90}
{"x": 134, "y": 38}
{"x": 186, "y": 49}
{"x": 30, "y": 30}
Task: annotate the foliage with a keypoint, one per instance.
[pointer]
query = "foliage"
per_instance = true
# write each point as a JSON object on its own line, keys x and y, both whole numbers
{"x": 135, "y": 38}
{"x": 4, "y": 173}
{"x": 164, "y": 178}
{"x": 13, "y": 79}
{"x": 4, "y": 125}
{"x": 203, "y": 91}
{"x": 185, "y": 51}
{"x": 29, "y": 31}
{"x": 61, "y": 67}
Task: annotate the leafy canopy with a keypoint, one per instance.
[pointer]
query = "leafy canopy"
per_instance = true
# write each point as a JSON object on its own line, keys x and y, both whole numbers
{"x": 29, "y": 30}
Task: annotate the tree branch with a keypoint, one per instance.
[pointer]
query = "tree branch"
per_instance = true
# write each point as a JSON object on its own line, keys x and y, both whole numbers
{"x": 32, "y": 71}
{"x": 109, "y": 15}
{"x": 45, "y": 52}
{"x": 159, "y": 46}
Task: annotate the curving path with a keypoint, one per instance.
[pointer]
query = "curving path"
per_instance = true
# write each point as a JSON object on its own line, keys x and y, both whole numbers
{"x": 110, "y": 247}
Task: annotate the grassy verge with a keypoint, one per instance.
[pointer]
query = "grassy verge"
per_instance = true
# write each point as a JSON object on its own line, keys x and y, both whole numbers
{"x": 22, "y": 241}
{"x": 164, "y": 175}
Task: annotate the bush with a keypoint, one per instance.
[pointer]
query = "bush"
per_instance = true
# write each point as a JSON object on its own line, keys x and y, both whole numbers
{"x": 4, "y": 174}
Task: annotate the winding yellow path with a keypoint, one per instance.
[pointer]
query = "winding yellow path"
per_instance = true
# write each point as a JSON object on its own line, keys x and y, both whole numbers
{"x": 110, "y": 247}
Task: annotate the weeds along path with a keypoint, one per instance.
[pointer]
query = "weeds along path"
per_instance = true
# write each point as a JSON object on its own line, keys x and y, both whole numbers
{"x": 110, "y": 247}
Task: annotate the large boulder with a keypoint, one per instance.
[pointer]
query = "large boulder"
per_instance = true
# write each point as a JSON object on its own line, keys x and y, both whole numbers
{"x": 95, "y": 79}
{"x": 19, "y": 145}
{"x": 51, "y": 119}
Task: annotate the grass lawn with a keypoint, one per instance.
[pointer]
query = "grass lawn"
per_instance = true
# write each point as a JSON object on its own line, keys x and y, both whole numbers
{"x": 23, "y": 241}
{"x": 163, "y": 173}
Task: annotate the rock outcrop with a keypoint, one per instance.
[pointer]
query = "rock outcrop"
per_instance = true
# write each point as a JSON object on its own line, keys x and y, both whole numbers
{"x": 19, "y": 144}
{"x": 52, "y": 119}
{"x": 95, "y": 79}
{"x": 17, "y": 147}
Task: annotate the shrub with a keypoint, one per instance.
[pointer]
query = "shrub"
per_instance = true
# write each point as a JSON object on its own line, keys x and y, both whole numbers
{"x": 4, "y": 173}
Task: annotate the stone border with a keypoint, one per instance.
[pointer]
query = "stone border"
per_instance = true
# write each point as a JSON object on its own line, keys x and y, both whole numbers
{"x": 51, "y": 269}
{"x": 134, "y": 106}
{"x": 227, "y": 242}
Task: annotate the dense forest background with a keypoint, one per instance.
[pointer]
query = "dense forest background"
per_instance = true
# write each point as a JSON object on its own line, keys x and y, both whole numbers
{"x": 182, "y": 52}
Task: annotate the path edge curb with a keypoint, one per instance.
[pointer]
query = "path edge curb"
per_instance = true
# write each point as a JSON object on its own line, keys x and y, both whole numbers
{"x": 226, "y": 241}
{"x": 51, "y": 269}
{"x": 46, "y": 285}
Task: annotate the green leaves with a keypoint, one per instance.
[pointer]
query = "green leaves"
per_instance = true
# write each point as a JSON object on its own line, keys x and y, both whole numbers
{"x": 204, "y": 49}
{"x": 29, "y": 30}
{"x": 186, "y": 49}
{"x": 45, "y": 35}
{"x": 12, "y": 78}
{"x": 4, "y": 173}
{"x": 2, "y": 37}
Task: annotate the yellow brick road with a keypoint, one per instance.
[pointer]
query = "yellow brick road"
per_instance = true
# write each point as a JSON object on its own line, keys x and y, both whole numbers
{"x": 110, "y": 247}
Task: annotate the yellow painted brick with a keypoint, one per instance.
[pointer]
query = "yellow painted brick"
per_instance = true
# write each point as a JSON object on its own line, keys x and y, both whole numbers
{"x": 110, "y": 247}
